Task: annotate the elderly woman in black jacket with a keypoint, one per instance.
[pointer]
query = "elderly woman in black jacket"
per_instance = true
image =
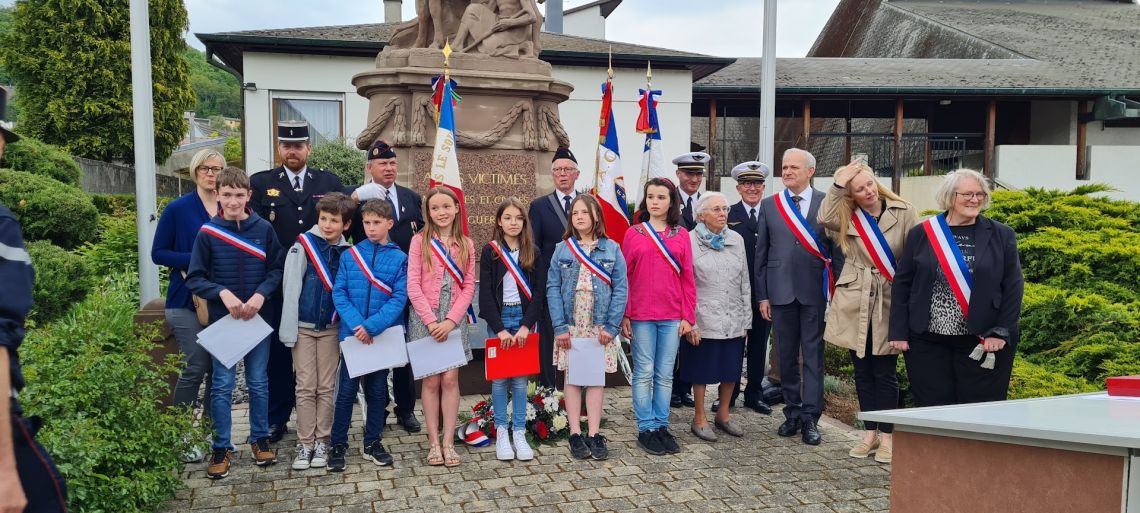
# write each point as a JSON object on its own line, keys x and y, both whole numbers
{"x": 957, "y": 299}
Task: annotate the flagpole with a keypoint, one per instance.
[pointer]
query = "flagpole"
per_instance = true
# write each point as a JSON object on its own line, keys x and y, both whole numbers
{"x": 768, "y": 87}
{"x": 649, "y": 91}
{"x": 602, "y": 119}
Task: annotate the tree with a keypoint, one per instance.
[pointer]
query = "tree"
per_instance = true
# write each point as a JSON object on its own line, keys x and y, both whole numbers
{"x": 71, "y": 62}
{"x": 218, "y": 93}
{"x": 5, "y": 28}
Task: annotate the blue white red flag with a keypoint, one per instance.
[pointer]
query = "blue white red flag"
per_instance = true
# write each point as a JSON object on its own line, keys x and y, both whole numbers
{"x": 804, "y": 233}
{"x": 444, "y": 163}
{"x": 652, "y": 158}
{"x": 610, "y": 181}
{"x": 950, "y": 260}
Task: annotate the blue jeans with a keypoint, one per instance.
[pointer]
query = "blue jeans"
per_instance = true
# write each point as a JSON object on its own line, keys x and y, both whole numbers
{"x": 512, "y": 318}
{"x": 376, "y": 398}
{"x": 221, "y": 399}
{"x": 654, "y": 352}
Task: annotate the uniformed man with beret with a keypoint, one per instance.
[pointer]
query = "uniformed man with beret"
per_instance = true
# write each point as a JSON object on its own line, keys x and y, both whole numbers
{"x": 690, "y": 174}
{"x": 742, "y": 218}
{"x": 287, "y": 197}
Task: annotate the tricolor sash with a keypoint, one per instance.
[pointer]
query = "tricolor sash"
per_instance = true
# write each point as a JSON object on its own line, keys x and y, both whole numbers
{"x": 807, "y": 237}
{"x": 950, "y": 259}
{"x": 589, "y": 263}
{"x": 444, "y": 258}
{"x": 317, "y": 259}
{"x": 233, "y": 239}
{"x": 875, "y": 243}
{"x": 376, "y": 282}
{"x": 660, "y": 244}
{"x": 513, "y": 268}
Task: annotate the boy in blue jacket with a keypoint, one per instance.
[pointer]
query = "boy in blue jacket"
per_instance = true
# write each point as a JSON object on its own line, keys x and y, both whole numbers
{"x": 370, "y": 294}
{"x": 235, "y": 265}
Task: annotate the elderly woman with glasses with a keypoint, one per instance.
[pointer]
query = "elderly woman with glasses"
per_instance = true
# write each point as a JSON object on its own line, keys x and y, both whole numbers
{"x": 957, "y": 299}
{"x": 173, "y": 242}
{"x": 713, "y": 350}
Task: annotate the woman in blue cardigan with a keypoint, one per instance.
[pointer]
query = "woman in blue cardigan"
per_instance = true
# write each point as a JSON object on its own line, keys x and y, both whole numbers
{"x": 173, "y": 242}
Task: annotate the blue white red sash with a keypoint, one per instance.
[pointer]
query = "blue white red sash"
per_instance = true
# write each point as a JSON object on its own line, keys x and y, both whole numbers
{"x": 444, "y": 258}
{"x": 317, "y": 259}
{"x": 875, "y": 243}
{"x": 950, "y": 259}
{"x": 376, "y": 282}
{"x": 660, "y": 243}
{"x": 589, "y": 263}
{"x": 233, "y": 239}
{"x": 807, "y": 237}
{"x": 514, "y": 269}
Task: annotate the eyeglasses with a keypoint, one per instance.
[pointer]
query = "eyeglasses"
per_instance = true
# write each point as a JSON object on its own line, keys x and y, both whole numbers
{"x": 564, "y": 170}
{"x": 717, "y": 210}
{"x": 210, "y": 170}
{"x": 751, "y": 185}
{"x": 973, "y": 195}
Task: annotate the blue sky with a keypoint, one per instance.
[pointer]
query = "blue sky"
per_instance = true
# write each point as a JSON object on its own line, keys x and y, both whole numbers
{"x": 728, "y": 28}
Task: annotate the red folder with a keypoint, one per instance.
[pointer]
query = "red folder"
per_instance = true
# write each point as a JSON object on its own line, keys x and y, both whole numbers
{"x": 515, "y": 361}
{"x": 1127, "y": 386}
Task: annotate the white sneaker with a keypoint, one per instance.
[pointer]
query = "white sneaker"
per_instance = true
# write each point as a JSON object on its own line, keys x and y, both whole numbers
{"x": 193, "y": 455}
{"x": 522, "y": 449}
{"x": 304, "y": 454}
{"x": 320, "y": 455}
{"x": 503, "y": 450}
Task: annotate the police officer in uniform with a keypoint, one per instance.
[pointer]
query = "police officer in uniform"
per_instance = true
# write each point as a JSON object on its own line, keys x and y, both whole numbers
{"x": 287, "y": 197}
{"x": 742, "y": 218}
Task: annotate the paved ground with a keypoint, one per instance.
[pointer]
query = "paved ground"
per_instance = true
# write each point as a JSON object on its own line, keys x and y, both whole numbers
{"x": 759, "y": 472}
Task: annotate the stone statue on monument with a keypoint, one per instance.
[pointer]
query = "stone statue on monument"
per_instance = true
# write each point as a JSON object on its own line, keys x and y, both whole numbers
{"x": 497, "y": 28}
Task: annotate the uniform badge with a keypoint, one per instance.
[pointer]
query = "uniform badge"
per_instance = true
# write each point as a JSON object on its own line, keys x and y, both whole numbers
{"x": 272, "y": 193}
{"x": 731, "y": 223}
{"x": 272, "y": 215}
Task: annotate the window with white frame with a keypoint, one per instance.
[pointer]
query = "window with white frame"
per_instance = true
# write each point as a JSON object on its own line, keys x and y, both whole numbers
{"x": 323, "y": 113}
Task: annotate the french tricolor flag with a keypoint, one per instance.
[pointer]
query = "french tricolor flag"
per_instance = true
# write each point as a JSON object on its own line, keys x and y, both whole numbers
{"x": 444, "y": 163}
{"x": 610, "y": 182}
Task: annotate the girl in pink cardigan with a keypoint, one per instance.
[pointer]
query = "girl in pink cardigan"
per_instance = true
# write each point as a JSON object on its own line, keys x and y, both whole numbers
{"x": 440, "y": 300}
{"x": 661, "y": 308}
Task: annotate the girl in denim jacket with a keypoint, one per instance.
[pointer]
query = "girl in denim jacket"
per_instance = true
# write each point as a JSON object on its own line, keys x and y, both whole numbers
{"x": 586, "y": 291}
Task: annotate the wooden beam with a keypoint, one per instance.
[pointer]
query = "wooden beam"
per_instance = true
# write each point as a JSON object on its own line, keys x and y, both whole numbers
{"x": 896, "y": 172}
{"x": 1082, "y": 140}
{"x": 714, "y": 178}
{"x": 847, "y": 140}
{"x": 806, "y": 137}
{"x": 991, "y": 123}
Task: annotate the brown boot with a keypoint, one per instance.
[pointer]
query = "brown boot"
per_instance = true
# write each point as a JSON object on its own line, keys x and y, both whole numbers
{"x": 220, "y": 463}
{"x": 263, "y": 456}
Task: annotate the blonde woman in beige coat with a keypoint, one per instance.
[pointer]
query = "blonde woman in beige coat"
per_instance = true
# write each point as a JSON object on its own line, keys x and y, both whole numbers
{"x": 858, "y": 317}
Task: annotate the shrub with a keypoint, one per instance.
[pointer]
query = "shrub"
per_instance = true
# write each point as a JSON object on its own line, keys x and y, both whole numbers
{"x": 114, "y": 204}
{"x": 1108, "y": 254}
{"x": 338, "y": 158}
{"x": 1051, "y": 316}
{"x": 91, "y": 377}
{"x": 232, "y": 150}
{"x": 1100, "y": 357}
{"x": 117, "y": 248}
{"x": 1032, "y": 380}
{"x": 48, "y": 209}
{"x": 32, "y": 156}
{"x": 837, "y": 361}
{"x": 62, "y": 279}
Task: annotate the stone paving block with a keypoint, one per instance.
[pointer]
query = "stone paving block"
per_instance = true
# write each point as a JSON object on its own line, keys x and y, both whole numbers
{"x": 812, "y": 508}
{"x": 361, "y": 497}
{"x": 457, "y": 499}
{"x": 848, "y": 507}
{"x": 280, "y": 506}
{"x": 577, "y": 507}
{"x": 254, "y": 498}
{"x": 365, "y": 507}
{"x": 368, "y": 486}
{"x": 322, "y": 502}
{"x": 618, "y": 504}
{"x": 212, "y": 502}
{"x": 479, "y": 506}
{"x": 513, "y": 502}
{"x": 295, "y": 493}
{"x": 336, "y": 489}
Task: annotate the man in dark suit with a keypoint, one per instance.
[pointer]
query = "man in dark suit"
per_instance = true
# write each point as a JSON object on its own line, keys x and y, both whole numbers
{"x": 548, "y": 215}
{"x": 407, "y": 217}
{"x": 690, "y": 174}
{"x": 287, "y": 197}
{"x": 743, "y": 217}
{"x": 789, "y": 285}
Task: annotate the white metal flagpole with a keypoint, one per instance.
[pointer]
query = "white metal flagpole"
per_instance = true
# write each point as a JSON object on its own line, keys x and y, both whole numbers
{"x": 142, "y": 92}
{"x": 768, "y": 89}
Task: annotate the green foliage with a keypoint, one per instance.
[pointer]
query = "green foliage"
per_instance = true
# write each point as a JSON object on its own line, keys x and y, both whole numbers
{"x": 837, "y": 361}
{"x": 5, "y": 28}
{"x": 71, "y": 63}
{"x": 114, "y": 204}
{"x": 1100, "y": 357}
{"x": 337, "y": 157}
{"x": 232, "y": 150}
{"x": 1053, "y": 318}
{"x": 33, "y": 156}
{"x": 62, "y": 279}
{"x": 217, "y": 92}
{"x": 117, "y": 248}
{"x": 49, "y": 209}
{"x": 93, "y": 376}
{"x": 1033, "y": 380}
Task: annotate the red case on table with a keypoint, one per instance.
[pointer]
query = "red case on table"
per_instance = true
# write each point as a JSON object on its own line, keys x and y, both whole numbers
{"x": 509, "y": 363}
{"x": 1127, "y": 386}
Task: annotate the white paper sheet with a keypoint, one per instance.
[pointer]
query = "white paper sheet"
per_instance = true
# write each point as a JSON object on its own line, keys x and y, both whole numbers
{"x": 587, "y": 365}
{"x": 429, "y": 357}
{"x": 387, "y": 351}
{"x": 229, "y": 339}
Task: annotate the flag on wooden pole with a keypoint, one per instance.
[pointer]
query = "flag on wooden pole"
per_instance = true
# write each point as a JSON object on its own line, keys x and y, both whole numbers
{"x": 609, "y": 183}
{"x": 444, "y": 163}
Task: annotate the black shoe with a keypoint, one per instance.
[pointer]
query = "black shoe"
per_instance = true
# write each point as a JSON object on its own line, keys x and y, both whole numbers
{"x": 578, "y": 448}
{"x": 716, "y": 405}
{"x": 277, "y": 432}
{"x": 668, "y": 441}
{"x": 687, "y": 400}
{"x": 789, "y": 428}
{"x": 376, "y": 454}
{"x": 758, "y": 407}
{"x": 811, "y": 432}
{"x": 597, "y": 445}
{"x": 650, "y": 442}
{"x": 408, "y": 422}
{"x": 675, "y": 401}
{"x": 336, "y": 457}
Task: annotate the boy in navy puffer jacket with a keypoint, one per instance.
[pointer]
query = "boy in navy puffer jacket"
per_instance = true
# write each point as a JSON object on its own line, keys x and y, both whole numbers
{"x": 369, "y": 302}
{"x": 235, "y": 266}
{"x": 309, "y": 324}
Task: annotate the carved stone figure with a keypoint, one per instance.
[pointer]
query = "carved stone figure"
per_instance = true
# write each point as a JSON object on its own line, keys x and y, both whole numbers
{"x": 497, "y": 28}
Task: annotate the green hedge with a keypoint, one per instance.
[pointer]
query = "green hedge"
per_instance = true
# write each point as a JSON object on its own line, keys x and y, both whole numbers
{"x": 32, "y": 156}
{"x": 116, "y": 250}
{"x": 92, "y": 379}
{"x": 1033, "y": 380}
{"x": 1053, "y": 318}
{"x": 337, "y": 157}
{"x": 63, "y": 278}
{"x": 48, "y": 209}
